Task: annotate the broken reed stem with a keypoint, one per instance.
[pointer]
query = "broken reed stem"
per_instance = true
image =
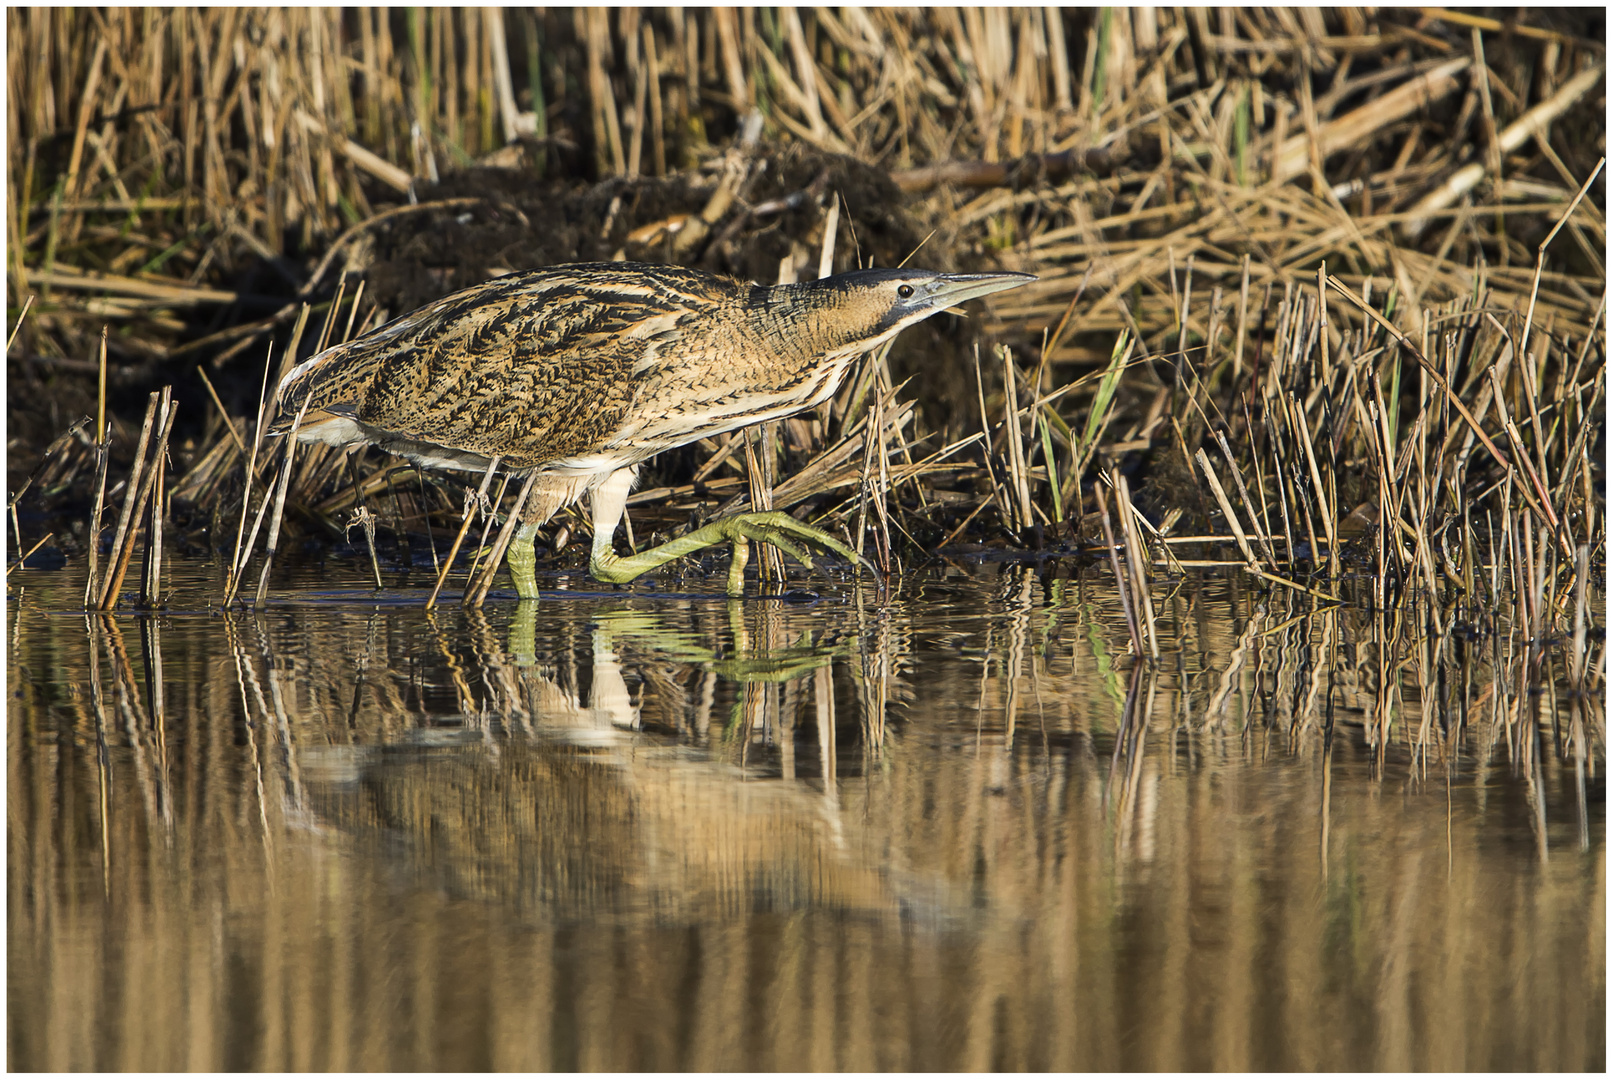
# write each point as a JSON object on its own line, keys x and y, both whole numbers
{"x": 476, "y": 592}
{"x": 92, "y": 595}
{"x": 123, "y": 548}
{"x": 130, "y": 489}
{"x": 1136, "y": 560}
{"x": 1540, "y": 253}
{"x": 22, "y": 316}
{"x": 252, "y": 538}
{"x": 489, "y": 516}
{"x": 759, "y": 469}
{"x": 272, "y": 547}
{"x": 100, "y": 396}
{"x": 151, "y": 585}
{"x": 1016, "y": 443}
{"x": 23, "y": 558}
{"x": 237, "y": 560}
{"x": 1248, "y": 503}
{"x": 1226, "y": 507}
{"x": 1003, "y": 506}
{"x": 1120, "y": 576}
{"x": 229, "y": 424}
{"x": 472, "y": 501}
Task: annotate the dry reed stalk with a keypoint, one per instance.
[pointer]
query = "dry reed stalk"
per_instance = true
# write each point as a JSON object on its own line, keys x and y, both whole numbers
{"x": 1016, "y": 443}
{"x": 92, "y": 593}
{"x": 229, "y": 424}
{"x": 1137, "y": 647}
{"x": 1292, "y": 480}
{"x": 1324, "y": 494}
{"x": 1136, "y": 561}
{"x": 471, "y": 503}
{"x": 1003, "y": 506}
{"x": 881, "y": 425}
{"x": 1293, "y": 156}
{"x": 330, "y": 314}
{"x": 131, "y": 486}
{"x": 272, "y": 545}
{"x": 359, "y": 491}
{"x": 1248, "y": 503}
{"x": 239, "y": 557}
{"x": 865, "y": 490}
{"x": 1226, "y": 509}
{"x": 731, "y": 443}
{"x": 151, "y": 579}
{"x": 365, "y": 520}
{"x": 488, "y": 518}
{"x": 22, "y": 557}
{"x": 759, "y": 472}
{"x": 123, "y": 544}
{"x": 1540, "y": 254}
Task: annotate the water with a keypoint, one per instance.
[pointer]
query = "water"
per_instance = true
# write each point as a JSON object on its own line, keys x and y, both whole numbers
{"x": 654, "y": 830}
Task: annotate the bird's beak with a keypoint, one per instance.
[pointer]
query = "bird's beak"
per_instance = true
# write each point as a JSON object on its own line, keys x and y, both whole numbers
{"x": 953, "y": 289}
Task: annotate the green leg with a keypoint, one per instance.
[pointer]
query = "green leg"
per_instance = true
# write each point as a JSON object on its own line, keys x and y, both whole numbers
{"x": 770, "y": 526}
{"x": 524, "y": 634}
{"x": 522, "y": 560}
{"x": 736, "y": 567}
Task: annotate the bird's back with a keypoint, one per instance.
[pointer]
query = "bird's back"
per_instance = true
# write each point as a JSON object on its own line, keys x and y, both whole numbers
{"x": 538, "y": 367}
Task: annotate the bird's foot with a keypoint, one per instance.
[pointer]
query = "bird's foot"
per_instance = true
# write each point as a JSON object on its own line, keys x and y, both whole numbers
{"x": 766, "y": 526}
{"x": 522, "y": 559}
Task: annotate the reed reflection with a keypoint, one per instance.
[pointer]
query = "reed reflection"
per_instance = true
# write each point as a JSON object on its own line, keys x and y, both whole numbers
{"x": 956, "y": 829}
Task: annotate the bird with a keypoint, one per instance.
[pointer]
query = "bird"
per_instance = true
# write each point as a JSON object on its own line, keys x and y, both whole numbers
{"x": 574, "y": 375}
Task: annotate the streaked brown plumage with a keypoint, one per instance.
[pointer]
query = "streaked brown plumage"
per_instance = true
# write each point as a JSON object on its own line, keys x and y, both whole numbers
{"x": 582, "y": 372}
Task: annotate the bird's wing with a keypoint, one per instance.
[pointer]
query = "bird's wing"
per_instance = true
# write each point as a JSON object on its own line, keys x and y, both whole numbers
{"x": 535, "y": 367}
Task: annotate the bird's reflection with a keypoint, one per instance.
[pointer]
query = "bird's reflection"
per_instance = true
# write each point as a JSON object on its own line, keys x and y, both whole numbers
{"x": 613, "y": 758}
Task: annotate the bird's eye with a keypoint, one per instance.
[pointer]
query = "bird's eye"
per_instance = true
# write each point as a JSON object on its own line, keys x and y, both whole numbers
{"x": 904, "y": 291}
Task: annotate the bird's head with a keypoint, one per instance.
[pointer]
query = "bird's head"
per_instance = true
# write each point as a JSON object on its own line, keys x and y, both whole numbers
{"x": 865, "y": 308}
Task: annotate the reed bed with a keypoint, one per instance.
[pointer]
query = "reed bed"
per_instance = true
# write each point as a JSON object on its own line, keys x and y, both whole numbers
{"x": 1321, "y": 291}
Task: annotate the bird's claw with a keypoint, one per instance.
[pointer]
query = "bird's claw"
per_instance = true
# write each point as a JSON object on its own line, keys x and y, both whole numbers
{"x": 782, "y": 531}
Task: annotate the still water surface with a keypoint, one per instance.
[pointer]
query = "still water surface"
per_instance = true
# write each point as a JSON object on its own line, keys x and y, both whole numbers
{"x": 949, "y": 828}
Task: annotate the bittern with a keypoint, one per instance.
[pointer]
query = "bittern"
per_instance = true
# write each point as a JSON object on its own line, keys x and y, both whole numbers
{"x": 580, "y": 373}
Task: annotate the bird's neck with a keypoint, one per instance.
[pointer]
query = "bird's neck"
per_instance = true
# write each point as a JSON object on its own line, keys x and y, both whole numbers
{"x": 806, "y": 321}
